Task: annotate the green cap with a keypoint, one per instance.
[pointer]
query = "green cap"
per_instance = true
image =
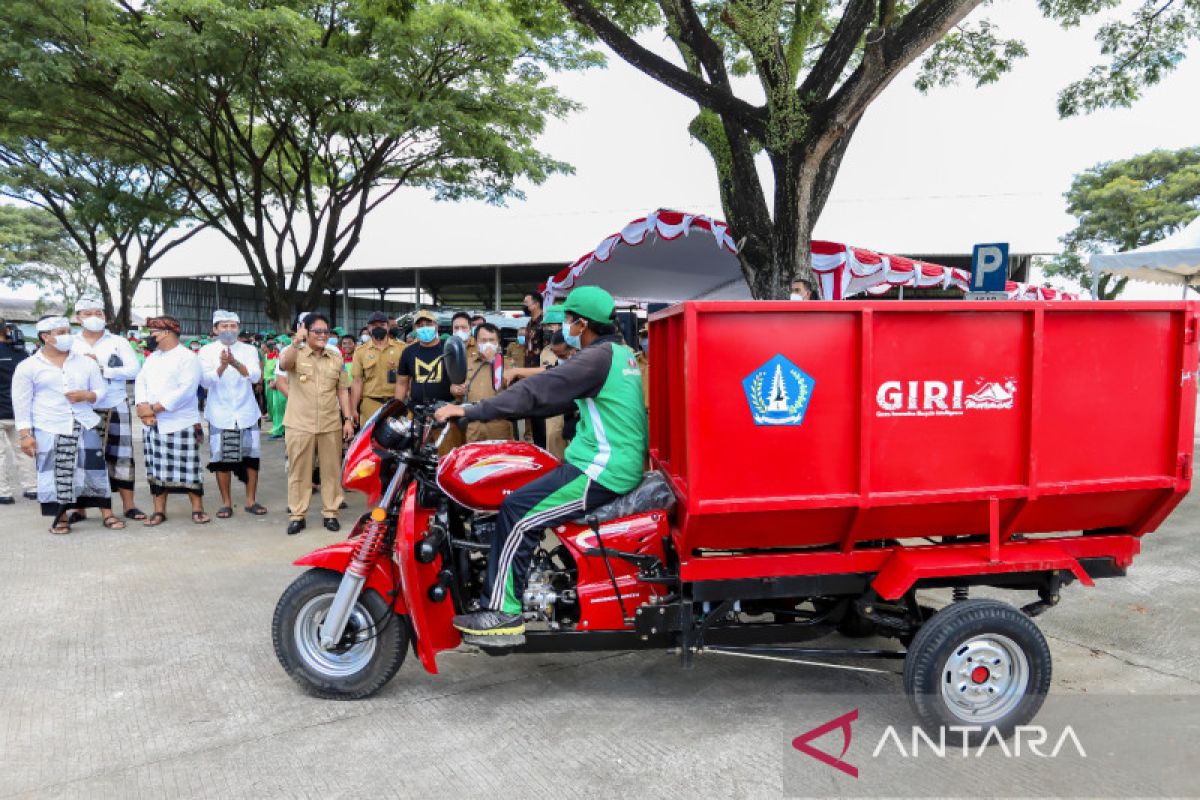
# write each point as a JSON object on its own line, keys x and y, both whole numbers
{"x": 552, "y": 315}
{"x": 284, "y": 340}
{"x": 590, "y": 302}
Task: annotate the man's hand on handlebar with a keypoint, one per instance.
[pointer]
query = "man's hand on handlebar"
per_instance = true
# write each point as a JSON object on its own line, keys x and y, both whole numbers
{"x": 448, "y": 412}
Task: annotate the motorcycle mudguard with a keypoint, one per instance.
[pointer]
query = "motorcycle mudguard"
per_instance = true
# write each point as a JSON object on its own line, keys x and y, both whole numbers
{"x": 337, "y": 557}
{"x": 431, "y": 621}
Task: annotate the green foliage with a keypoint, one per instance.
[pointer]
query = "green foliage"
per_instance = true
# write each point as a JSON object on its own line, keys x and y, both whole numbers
{"x": 1123, "y": 205}
{"x": 1141, "y": 49}
{"x": 976, "y": 51}
{"x": 36, "y": 251}
{"x": 288, "y": 121}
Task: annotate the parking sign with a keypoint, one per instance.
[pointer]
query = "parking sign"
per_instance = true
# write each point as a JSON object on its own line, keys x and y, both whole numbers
{"x": 989, "y": 267}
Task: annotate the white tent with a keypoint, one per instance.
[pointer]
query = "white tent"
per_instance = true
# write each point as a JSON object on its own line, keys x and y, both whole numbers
{"x": 1174, "y": 260}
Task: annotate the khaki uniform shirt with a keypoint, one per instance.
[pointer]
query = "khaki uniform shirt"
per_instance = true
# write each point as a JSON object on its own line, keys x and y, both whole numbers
{"x": 481, "y": 386}
{"x": 373, "y": 362}
{"x": 313, "y": 384}
{"x": 516, "y": 354}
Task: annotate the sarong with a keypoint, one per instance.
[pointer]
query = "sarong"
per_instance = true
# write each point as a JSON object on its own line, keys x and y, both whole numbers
{"x": 116, "y": 438}
{"x": 70, "y": 471}
{"x": 233, "y": 450}
{"x": 172, "y": 461}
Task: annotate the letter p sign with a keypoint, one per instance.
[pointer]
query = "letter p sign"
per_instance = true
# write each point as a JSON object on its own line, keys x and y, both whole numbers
{"x": 989, "y": 267}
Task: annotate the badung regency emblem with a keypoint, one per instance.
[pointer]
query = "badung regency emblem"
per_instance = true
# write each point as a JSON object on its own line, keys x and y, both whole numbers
{"x": 778, "y": 392}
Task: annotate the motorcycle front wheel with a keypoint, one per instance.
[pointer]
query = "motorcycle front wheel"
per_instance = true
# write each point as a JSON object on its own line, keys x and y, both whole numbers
{"x": 370, "y": 652}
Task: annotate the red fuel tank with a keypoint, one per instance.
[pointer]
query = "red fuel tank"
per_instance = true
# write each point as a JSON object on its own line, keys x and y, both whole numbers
{"x": 480, "y": 475}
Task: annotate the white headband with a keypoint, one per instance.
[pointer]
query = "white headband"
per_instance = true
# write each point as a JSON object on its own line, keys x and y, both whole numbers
{"x": 89, "y": 305}
{"x": 225, "y": 316}
{"x": 52, "y": 323}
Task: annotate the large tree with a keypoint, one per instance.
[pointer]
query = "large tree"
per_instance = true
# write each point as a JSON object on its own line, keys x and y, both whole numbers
{"x": 289, "y": 121}
{"x": 35, "y": 250}
{"x": 1123, "y": 205}
{"x": 819, "y": 64}
{"x": 120, "y": 216}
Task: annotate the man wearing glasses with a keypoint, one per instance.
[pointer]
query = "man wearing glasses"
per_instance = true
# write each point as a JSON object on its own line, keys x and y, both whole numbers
{"x": 318, "y": 418}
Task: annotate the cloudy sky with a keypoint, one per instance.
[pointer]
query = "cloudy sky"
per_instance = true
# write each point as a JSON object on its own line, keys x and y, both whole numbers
{"x": 924, "y": 174}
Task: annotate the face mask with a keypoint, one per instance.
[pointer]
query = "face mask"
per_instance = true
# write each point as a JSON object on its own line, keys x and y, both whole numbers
{"x": 227, "y": 337}
{"x": 63, "y": 342}
{"x": 645, "y": 345}
{"x": 463, "y": 335}
{"x": 395, "y": 332}
{"x": 571, "y": 339}
{"x": 151, "y": 343}
{"x": 797, "y": 296}
{"x": 364, "y": 338}
{"x": 487, "y": 350}
{"x": 93, "y": 324}
{"x": 520, "y": 339}
{"x": 426, "y": 334}
{"x": 378, "y": 334}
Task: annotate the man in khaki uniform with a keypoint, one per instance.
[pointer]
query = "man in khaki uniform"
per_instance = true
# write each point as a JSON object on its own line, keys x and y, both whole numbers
{"x": 485, "y": 378}
{"x": 516, "y": 350}
{"x": 318, "y": 418}
{"x": 373, "y": 371}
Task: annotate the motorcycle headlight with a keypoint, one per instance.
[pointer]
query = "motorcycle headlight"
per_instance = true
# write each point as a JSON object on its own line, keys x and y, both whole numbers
{"x": 395, "y": 433}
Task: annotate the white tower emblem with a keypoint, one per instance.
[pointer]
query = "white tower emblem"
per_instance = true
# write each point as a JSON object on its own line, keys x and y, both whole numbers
{"x": 779, "y": 398}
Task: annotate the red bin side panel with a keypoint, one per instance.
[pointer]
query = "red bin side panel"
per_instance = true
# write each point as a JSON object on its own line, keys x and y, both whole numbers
{"x": 829, "y": 423}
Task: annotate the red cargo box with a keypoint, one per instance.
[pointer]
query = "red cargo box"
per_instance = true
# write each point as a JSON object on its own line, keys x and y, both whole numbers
{"x": 829, "y": 424}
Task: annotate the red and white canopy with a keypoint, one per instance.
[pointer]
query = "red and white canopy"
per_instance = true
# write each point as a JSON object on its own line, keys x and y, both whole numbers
{"x": 672, "y": 256}
{"x": 844, "y": 271}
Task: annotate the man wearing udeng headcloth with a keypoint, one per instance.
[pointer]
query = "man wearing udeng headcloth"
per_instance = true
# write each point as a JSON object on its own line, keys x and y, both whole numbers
{"x": 53, "y": 392}
{"x": 228, "y": 370}
{"x": 118, "y": 365}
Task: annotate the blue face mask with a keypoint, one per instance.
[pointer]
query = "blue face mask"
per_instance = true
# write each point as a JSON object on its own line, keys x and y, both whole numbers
{"x": 571, "y": 338}
{"x": 426, "y": 334}
{"x": 520, "y": 340}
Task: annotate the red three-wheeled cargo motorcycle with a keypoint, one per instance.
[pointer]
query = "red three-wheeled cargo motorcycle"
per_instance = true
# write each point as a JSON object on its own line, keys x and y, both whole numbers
{"x": 812, "y": 467}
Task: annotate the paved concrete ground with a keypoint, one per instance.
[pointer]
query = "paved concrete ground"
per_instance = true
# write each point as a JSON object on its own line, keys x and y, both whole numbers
{"x": 139, "y": 664}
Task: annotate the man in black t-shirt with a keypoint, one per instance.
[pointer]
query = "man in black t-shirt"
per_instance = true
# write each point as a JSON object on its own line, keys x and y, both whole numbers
{"x": 421, "y": 375}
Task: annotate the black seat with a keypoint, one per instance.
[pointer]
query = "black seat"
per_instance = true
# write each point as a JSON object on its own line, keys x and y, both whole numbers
{"x": 653, "y": 493}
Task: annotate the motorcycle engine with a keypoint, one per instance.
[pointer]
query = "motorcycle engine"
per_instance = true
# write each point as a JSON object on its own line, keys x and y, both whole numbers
{"x": 549, "y": 593}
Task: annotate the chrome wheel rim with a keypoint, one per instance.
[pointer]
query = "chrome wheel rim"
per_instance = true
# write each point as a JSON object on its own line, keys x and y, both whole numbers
{"x": 344, "y": 661}
{"x": 985, "y": 678}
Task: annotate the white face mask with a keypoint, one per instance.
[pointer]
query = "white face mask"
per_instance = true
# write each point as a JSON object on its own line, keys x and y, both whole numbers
{"x": 797, "y": 296}
{"x": 364, "y": 338}
{"x": 93, "y": 324}
{"x": 487, "y": 349}
{"x": 63, "y": 342}
{"x": 463, "y": 335}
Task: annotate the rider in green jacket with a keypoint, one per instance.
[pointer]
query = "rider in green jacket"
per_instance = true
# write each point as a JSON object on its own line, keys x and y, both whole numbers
{"x": 603, "y": 462}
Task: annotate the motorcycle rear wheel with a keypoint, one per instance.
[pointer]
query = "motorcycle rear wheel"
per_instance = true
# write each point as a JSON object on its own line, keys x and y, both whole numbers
{"x": 369, "y": 655}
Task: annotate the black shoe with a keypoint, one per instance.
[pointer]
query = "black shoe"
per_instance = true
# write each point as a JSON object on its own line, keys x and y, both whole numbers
{"x": 30, "y": 495}
{"x": 295, "y": 526}
{"x": 6, "y": 501}
{"x": 489, "y": 623}
{"x": 331, "y": 524}
{"x": 343, "y": 506}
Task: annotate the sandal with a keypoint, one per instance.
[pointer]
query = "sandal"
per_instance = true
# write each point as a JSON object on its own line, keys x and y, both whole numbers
{"x": 157, "y": 518}
{"x": 135, "y": 513}
{"x": 75, "y": 516}
{"x": 200, "y": 518}
{"x": 60, "y": 528}
{"x": 224, "y": 512}
{"x": 112, "y": 523}
{"x": 256, "y": 509}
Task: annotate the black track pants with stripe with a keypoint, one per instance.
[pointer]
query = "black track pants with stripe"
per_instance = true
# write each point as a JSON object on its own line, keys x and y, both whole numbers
{"x": 564, "y": 494}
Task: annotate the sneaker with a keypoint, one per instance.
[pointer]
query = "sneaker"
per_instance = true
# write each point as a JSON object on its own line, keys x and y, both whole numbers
{"x": 30, "y": 495}
{"x": 489, "y": 623}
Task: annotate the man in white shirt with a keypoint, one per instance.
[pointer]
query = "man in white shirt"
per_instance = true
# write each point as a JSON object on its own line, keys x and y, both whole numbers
{"x": 118, "y": 365}
{"x": 167, "y": 404}
{"x": 229, "y": 370}
{"x": 53, "y": 392}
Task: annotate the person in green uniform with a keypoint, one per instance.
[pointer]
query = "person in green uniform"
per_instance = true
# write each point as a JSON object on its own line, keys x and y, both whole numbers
{"x": 276, "y": 400}
{"x": 603, "y": 461}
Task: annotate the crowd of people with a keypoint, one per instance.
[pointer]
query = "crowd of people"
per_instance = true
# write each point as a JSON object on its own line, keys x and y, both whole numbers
{"x": 66, "y": 416}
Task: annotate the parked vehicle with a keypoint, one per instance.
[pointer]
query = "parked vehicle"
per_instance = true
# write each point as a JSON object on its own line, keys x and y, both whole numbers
{"x": 814, "y": 465}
